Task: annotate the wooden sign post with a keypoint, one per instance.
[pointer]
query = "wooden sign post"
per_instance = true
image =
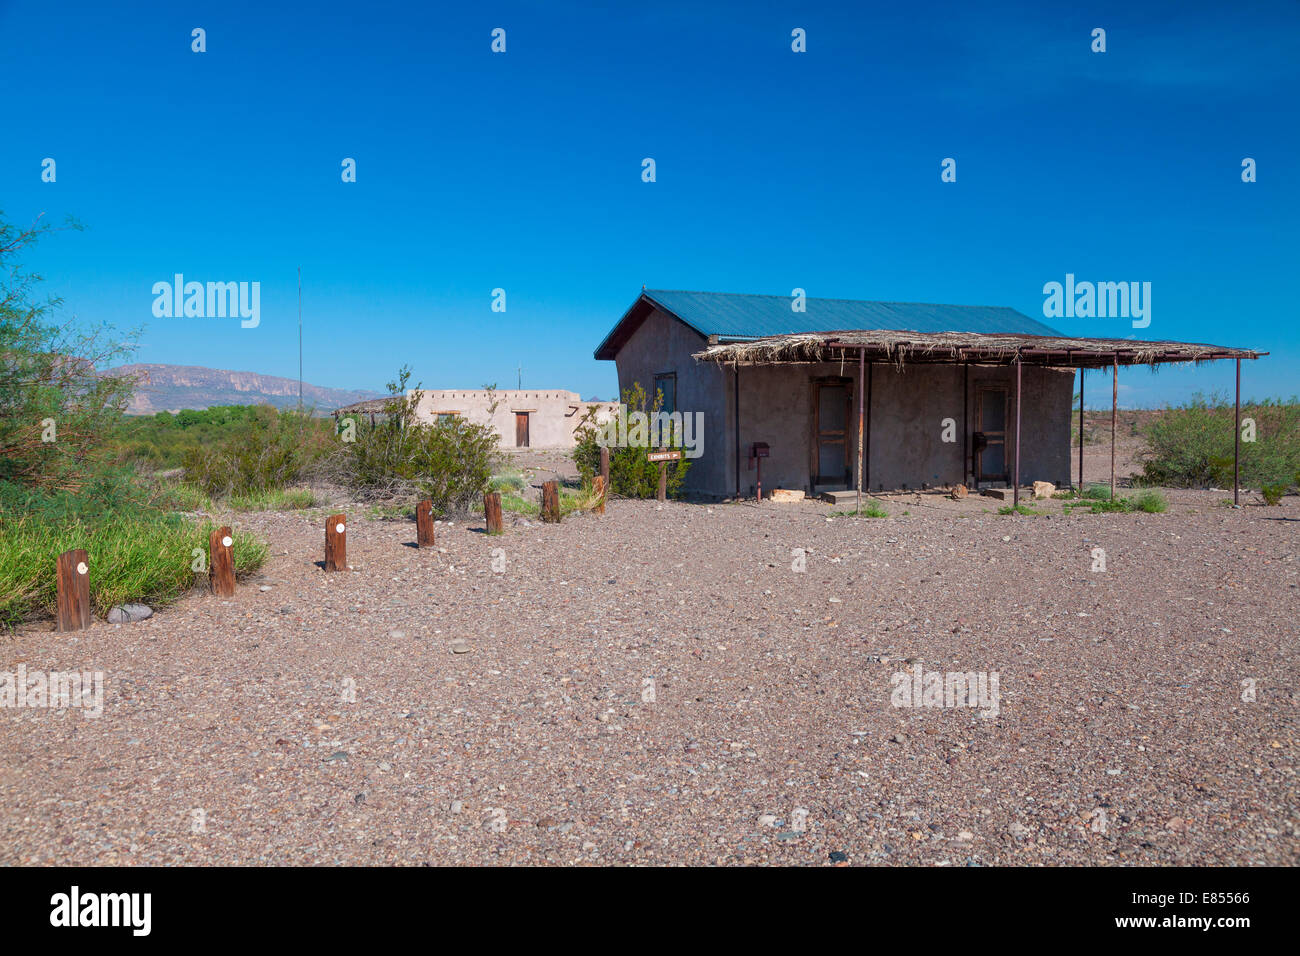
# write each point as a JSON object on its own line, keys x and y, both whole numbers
{"x": 72, "y": 572}
{"x": 336, "y": 543}
{"x": 221, "y": 562}
{"x": 551, "y": 502}
{"x": 598, "y": 486}
{"x": 604, "y": 465}
{"x": 424, "y": 524}
{"x": 492, "y": 511}
{"x": 663, "y": 457}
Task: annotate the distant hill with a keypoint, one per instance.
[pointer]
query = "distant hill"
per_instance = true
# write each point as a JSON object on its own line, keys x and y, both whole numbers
{"x": 174, "y": 387}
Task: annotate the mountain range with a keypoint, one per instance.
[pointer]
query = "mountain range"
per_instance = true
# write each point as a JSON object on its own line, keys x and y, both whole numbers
{"x": 175, "y": 387}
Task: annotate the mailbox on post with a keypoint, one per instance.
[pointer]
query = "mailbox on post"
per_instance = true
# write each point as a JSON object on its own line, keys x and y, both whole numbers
{"x": 757, "y": 452}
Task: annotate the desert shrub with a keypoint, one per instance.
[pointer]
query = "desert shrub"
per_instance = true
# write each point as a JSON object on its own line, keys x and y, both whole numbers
{"x": 55, "y": 406}
{"x": 1152, "y": 502}
{"x": 1192, "y": 446}
{"x": 630, "y": 474}
{"x": 274, "y": 449}
{"x": 1273, "y": 493}
{"x": 509, "y": 482}
{"x": 450, "y": 462}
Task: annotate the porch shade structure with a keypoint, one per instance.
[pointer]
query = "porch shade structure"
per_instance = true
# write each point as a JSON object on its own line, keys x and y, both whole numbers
{"x": 901, "y": 348}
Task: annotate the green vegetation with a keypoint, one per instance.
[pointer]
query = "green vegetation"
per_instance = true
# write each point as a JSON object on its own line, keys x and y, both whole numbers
{"x": 62, "y": 485}
{"x": 630, "y": 474}
{"x": 873, "y": 510}
{"x": 449, "y": 463}
{"x": 1192, "y": 446}
{"x": 1096, "y": 500}
{"x": 1019, "y": 510}
{"x": 136, "y": 553}
{"x": 266, "y": 451}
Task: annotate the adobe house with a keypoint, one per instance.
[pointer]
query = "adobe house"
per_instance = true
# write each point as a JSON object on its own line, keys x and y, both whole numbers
{"x": 524, "y": 418}
{"x": 875, "y": 396}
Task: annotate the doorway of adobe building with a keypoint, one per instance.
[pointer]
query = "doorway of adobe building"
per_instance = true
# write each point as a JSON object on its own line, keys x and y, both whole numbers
{"x": 521, "y": 429}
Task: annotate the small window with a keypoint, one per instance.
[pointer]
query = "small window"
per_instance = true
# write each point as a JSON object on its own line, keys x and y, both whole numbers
{"x": 666, "y": 384}
{"x": 443, "y": 417}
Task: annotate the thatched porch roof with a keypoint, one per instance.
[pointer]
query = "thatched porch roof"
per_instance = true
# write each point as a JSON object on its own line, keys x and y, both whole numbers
{"x": 956, "y": 348}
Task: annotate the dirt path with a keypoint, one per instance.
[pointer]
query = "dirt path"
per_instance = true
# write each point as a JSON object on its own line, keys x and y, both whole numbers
{"x": 1121, "y": 735}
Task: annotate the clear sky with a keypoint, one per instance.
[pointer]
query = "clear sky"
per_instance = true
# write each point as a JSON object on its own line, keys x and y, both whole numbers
{"x": 774, "y": 170}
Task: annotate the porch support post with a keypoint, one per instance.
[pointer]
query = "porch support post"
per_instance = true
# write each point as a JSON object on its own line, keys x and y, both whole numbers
{"x": 1236, "y": 441}
{"x": 1015, "y": 491}
{"x": 862, "y": 383}
{"x": 866, "y": 464}
{"x": 965, "y": 420}
{"x": 1114, "y": 421}
{"x": 1081, "y": 372}
{"x": 736, "y": 398}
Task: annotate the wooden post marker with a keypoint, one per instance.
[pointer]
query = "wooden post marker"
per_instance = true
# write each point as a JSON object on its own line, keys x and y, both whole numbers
{"x": 551, "y": 502}
{"x": 663, "y": 457}
{"x": 492, "y": 511}
{"x": 221, "y": 562}
{"x": 73, "y": 576}
{"x": 604, "y": 465}
{"x": 336, "y": 543}
{"x": 598, "y": 486}
{"x": 424, "y": 524}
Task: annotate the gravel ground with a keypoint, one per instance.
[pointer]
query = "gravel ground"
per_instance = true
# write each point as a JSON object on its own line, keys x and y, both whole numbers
{"x": 503, "y": 717}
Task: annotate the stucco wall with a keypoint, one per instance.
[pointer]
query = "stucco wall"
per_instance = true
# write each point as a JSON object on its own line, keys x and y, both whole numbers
{"x": 552, "y": 414}
{"x": 907, "y": 414}
{"x": 664, "y": 344}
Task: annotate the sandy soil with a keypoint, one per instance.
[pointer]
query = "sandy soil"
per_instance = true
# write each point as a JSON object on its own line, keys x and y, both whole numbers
{"x": 505, "y": 717}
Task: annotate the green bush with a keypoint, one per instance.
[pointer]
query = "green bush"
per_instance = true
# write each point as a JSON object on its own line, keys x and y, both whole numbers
{"x": 1152, "y": 502}
{"x": 275, "y": 449}
{"x": 630, "y": 474}
{"x": 1192, "y": 446}
{"x": 1273, "y": 493}
{"x": 449, "y": 463}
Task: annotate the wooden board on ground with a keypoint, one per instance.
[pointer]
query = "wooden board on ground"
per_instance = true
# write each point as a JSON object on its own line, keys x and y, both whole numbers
{"x": 787, "y": 494}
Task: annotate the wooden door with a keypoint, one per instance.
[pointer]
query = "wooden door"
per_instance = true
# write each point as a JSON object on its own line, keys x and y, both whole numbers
{"x": 991, "y": 421}
{"x": 832, "y": 415}
{"x": 521, "y": 429}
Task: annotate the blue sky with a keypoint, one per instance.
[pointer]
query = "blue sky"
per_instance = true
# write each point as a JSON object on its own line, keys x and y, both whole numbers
{"x": 775, "y": 170}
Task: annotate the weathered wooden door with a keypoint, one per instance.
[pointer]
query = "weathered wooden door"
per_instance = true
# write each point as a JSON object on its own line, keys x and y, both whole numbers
{"x": 831, "y": 417}
{"x": 521, "y": 429}
{"x": 991, "y": 416}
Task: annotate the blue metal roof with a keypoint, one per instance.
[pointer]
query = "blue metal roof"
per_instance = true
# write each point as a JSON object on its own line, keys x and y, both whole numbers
{"x": 752, "y": 316}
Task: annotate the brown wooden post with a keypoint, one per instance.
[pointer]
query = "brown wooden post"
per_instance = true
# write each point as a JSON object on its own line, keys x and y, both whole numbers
{"x": 492, "y": 511}
{"x": 1236, "y": 442}
{"x": 1081, "y": 371}
{"x": 551, "y": 502}
{"x": 221, "y": 562}
{"x": 72, "y": 573}
{"x": 862, "y": 390}
{"x": 662, "y": 493}
{"x": 424, "y": 524}
{"x": 598, "y": 486}
{"x": 1114, "y": 423}
{"x": 604, "y": 466}
{"x": 1015, "y": 492}
{"x": 336, "y": 543}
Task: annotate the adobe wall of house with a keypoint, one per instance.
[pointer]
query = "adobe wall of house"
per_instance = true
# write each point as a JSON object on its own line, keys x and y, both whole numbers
{"x": 663, "y": 344}
{"x": 553, "y": 414}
